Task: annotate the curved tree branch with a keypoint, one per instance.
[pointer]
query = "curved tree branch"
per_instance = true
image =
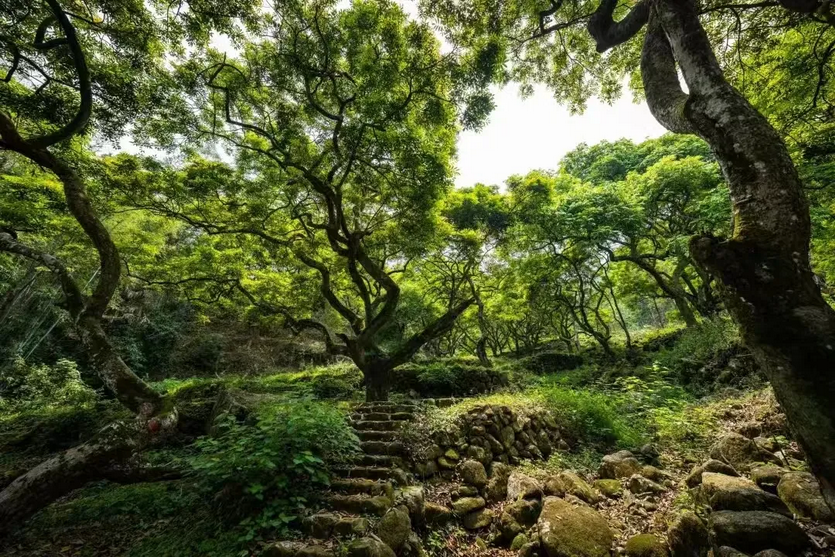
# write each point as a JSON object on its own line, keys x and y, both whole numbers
{"x": 607, "y": 32}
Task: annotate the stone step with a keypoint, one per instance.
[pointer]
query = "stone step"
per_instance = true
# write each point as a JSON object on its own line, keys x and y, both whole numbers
{"x": 365, "y": 486}
{"x": 382, "y": 416}
{"x": 378, "y": 435}
{"x": 378, "y": 460}
{"x": 324, "y": 525}
{"x": 371, "y": 425}
{"x": 372, "y": 473}
{"x": 387, "y": 407}
{"x": 360, "y": 503}
{"x": 387, "y": 448}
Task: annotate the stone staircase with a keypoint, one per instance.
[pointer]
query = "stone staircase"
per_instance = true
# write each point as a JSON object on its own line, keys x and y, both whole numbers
{"x": 365, "y": 488}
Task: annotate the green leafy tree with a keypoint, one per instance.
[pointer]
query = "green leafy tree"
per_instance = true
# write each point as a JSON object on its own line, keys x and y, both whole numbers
{"x": 764, "y": 267}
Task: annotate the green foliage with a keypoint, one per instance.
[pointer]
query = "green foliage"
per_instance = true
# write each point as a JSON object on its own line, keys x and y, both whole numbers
{"x": 590, "y": 417}
{"x": 341, "y": 386}
{"x": 265, "y": 472}
{"x": 25, "y": 386}
{"x": 450, "y": 377}
{"x": 550, "y": 361}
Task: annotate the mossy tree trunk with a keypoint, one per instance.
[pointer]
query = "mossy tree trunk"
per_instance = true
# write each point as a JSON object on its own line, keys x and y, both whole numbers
{"x": 763, "y": 269}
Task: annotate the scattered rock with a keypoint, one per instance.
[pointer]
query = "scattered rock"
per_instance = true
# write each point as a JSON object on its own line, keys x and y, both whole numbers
{"x": 749, "y": 429}
{"x": 473, "y": 473}
{"x": 767, "y": 444}
{"x": 368, "y": 547}
{"x": 315, "y": 551}
{"x": 478, "y": 519}
{"x": 740, "y": 452}
{"x": 569, "y": 483}
{"x": 437, "y": 515}
{"x": 770, "y": 553}
{"x": 609, "y": 488}
{"x": 726, "y": 551}
{"x": 282, "y": 549}
{"x": 801, "y": 492}
{"x": 621, "y": 464}
{"x": 524, "y": 511}
{"x": 712, "y": 465}
{"x": 655, "y": 474}
{"x": 520, "y": 486}
{"x": 467, "y": 505}
{"x": 412, "y": 547}
{"x": 729, "y": 493}
{"x": 496, "y": 489}
{"x": 413, "y": 498}
{"x": 518, "y": 542}
{"x": 351, "y": 526}
{"x": 394, "y": 527}
{"x": 753, "y": 531}
{"x": 688, "y": 536}
{"x": 768, "y": 476}
{"x": 567, "y": 530}
{"x": 645, "y": 545}
{"x": 639, "y": 484}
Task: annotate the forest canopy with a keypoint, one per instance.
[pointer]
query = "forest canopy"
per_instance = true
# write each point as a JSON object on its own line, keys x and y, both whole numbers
{"x": 218, "y": 218}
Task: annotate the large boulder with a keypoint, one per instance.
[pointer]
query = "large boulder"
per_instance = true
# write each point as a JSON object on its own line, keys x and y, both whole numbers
{"x": 567, "y": 530}
{"x": 645, "y": 545}
{"x": 524, "y": 511}
{"x": 287, "y": 548}
{"x": 711, "y": 465}
{"x": 437, "y": 515}
{"x": 473, "y": 473}
{"x": 767, "y": 476}
{"x": 413, "y": 498}
{"x": 740, "y": 452}
{"x": 621, "y": 464}
{"x": 609, "y": 488}
{"x": 569, "y": 483}
{"x": 477, "y": 520}
{"x": 753, "y": 531}
{"x": 639, "y": 484}
{"x": 496, "y": 489}
{"x": 467, "y": 505}
{"x": 412, "y": 547}
{"x": 368, "y": 547}
{"x": 729, "y": 493}
{"x": 688, "y": 536}
{"x": 395, "y": 527}
{"x": 802, "y": 493}
{"x": 521, "y": 486}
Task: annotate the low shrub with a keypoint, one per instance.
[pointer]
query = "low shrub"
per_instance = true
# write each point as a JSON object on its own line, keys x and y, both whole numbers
{"x": 337, "y": 386}
{"x": 450, "y": 377}
{"x": 590, "y": 418}
{"x": 27, "y": 386}
{"x": 263, "y": 472}
{"x": 550, "y": 361}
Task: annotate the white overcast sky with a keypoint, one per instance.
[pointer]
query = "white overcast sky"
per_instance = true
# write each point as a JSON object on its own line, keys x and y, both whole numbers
{"x": 535, "y": 133}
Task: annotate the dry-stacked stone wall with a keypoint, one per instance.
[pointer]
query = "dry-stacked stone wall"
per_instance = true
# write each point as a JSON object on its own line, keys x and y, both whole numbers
{"x": 490, "y": 433}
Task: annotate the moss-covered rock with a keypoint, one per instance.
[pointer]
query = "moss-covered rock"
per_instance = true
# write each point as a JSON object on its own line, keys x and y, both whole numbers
{"x": 609, "y": 488}
{"x": 802, "y": 493}
{"x": 645, "y": 545}
{"x": 568, "y": 530}
{"x": 688, "y": 536}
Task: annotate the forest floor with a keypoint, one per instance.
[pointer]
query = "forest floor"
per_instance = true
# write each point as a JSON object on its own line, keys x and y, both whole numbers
{"x": 601, "y": 408}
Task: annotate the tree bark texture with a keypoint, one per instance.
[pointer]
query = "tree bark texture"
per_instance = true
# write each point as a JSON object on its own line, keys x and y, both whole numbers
{"x": 763, "y": 269}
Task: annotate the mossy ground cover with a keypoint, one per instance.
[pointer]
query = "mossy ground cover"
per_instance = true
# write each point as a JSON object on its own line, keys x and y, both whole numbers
{"x": 600, "y": 406}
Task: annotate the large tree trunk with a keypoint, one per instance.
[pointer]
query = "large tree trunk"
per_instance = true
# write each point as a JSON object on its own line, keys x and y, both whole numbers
{"x": 377, "y": 383}
{"x": 763, "y": 269}
{"x": 72, "y": 469}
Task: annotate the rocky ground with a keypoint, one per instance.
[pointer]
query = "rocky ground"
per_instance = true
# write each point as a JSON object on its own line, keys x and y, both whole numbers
{"x": 748, "y": 494}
